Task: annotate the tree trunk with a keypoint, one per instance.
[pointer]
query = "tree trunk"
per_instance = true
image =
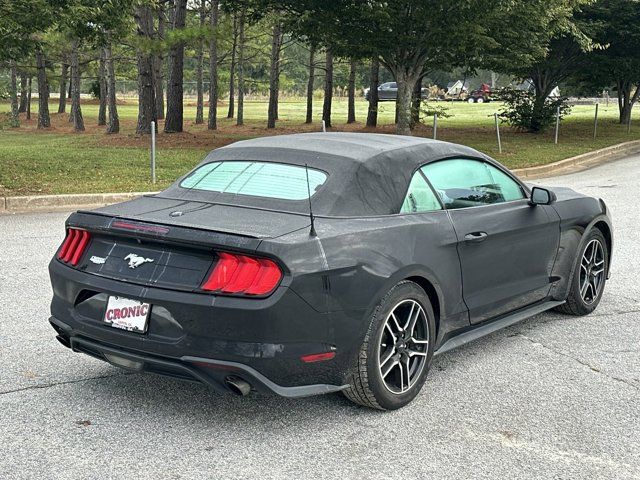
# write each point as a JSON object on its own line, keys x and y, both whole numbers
{"x": 626, "y": 100}
{"x": 113, "y": 122}
{"x": 44, "y": 121}
{"x": 310, "y": 82}
{"x": 241, "y": 41}
{"x": 351, "y": 109}
{"x": 62, "y": 101}
{"x": 146, "y": 88}
{"x": 175, "y": 106}
{"x": 199, "y": 67}
{"x": 158, "y": 66}
{"x": 543, "y": 88}
{"x": 406, "y": 82}
{"x": 232, "y": 68}
{"x": 212, "y": 123}
{"x": 328, "y": 89}
{"x": 274, "y": 75}
{"x": 372, "y": 113}
{"x": 102, "y": 110}
{"x": 416, "y": 100}
{"x": 76, "y": 110}
{"x": 23, "y": 93}
{"x": 15, "y": 119}
{"x": 29, "y": 99}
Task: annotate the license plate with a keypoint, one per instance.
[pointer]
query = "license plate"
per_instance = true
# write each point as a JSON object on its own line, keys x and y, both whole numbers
{"x": 127, "y": 314}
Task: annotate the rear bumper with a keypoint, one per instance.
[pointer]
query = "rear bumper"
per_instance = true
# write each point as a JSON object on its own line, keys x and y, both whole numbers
{"x": 204, "y": 338}
{"x": 208, "y": 371}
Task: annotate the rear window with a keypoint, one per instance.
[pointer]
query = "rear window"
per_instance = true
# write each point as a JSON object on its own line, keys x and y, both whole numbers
{"x": 260, "y": 179}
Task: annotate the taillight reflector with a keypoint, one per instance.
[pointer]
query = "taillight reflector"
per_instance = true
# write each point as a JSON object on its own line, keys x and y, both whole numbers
{"x": 74, "y": 246}
{"x": 241, "y": 274}
{"x": 318, "y": 357}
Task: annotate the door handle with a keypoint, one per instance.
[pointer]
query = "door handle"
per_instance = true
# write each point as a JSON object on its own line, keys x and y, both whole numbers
{"x": 475, "y": 237}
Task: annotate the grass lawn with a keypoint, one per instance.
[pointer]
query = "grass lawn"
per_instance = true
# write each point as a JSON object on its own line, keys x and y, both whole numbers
{"x": 60, "y": 161}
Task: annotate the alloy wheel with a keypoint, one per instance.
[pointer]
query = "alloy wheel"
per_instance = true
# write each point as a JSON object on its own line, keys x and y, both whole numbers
{"x": 403, "y": 346}
{"x": 592, "y": 271}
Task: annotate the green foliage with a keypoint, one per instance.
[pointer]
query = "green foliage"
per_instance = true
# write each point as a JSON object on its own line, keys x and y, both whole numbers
{"x": 615, "y": 24}
{"x": 523, "y": 111}
{"x": 429, "y": 110}
{"x": 22, "y": 23}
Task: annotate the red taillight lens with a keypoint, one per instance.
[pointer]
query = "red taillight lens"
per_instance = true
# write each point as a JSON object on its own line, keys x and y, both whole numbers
{"x": 74, "y": 246}
{"x": 241, "y": 274}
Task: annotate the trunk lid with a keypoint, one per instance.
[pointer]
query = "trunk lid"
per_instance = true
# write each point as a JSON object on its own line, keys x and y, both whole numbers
{"x": 144, "y": 241}
{"x": 147, "y": 262}
{"x": 236, "y": 220}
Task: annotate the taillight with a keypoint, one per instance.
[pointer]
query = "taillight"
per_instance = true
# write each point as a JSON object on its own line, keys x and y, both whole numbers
{"x": 241, "y": 274}
{"x": 74, "y": 246}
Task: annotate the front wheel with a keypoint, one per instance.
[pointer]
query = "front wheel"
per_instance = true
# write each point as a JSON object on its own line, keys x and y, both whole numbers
{"x": 589, "y": 277}
{"x": 396, "y": 353}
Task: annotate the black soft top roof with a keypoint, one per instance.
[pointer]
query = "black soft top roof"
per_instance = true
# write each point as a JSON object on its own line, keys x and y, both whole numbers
{"x": 368, "y": 173}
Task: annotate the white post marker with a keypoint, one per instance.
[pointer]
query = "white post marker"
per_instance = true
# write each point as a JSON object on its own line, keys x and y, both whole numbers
{"x": 495, "y": 115}
{"x": 595, "y": 123}
{"x": 557, "y": 125}
{"x": 324, "y": 127}
{"x": 153, "y": 152}
{"x": 435, "y": 126}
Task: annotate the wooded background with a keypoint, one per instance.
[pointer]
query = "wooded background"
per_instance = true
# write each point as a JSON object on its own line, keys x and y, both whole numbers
{"x": 316, "y": 48}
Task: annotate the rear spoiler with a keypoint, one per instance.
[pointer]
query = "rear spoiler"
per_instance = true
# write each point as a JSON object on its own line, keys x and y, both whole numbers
{"x": 132, "y": 228}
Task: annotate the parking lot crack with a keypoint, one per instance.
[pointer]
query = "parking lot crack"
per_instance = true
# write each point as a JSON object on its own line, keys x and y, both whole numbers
{"x": 68, "y": 382}
{"x": 630, "y": 383}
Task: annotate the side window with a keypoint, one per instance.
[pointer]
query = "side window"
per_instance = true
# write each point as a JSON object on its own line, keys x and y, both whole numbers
{"x": 420, "y": 197}
{"x": 462, "y": 183}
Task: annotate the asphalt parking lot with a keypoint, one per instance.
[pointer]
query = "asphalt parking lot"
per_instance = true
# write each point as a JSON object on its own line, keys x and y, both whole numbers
{"x": 552, "y": 397}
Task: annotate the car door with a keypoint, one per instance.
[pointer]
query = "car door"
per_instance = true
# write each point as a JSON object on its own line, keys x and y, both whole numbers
{"x": 435, "y": 246}
{"x": 506, "y": 246}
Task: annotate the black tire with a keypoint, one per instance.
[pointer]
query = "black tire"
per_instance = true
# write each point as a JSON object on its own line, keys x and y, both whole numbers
{"x": 576, "y": 304}
{"x": 366, "y": 385}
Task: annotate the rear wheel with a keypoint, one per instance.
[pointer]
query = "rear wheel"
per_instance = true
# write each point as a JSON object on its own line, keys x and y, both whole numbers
{"x": 589, "y": 277}
{"x": 471, "y": 100}
{"x": 396, "y": 353}
{"x": 480, "y": 100}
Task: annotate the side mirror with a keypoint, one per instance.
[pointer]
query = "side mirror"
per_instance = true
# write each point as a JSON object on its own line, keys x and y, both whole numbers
{"x": 542, "y": 196}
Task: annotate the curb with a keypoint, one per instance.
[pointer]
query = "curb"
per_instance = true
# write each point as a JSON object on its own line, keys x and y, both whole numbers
{"x": 580, "y": 162}
{"x": 47, "y": 203}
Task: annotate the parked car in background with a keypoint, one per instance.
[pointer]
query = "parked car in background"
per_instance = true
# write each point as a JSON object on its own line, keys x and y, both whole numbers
{"x": 388, "y": 92}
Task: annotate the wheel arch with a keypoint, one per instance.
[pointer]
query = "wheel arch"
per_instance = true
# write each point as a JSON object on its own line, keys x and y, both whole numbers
{"x": 576, "y": 236}
{"x": 432, "y": 293}
{"x": 605, "y": 228}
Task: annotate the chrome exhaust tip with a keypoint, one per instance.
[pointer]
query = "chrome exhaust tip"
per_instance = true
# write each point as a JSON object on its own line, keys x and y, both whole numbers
{"x": 237, "y": 385}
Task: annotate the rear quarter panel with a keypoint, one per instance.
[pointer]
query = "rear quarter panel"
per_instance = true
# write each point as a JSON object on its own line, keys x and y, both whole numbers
{"x": 354, "y": 262}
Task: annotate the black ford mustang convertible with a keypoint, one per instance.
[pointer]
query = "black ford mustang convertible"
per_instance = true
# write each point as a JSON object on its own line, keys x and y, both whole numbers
{"x": 315, "y": 263}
